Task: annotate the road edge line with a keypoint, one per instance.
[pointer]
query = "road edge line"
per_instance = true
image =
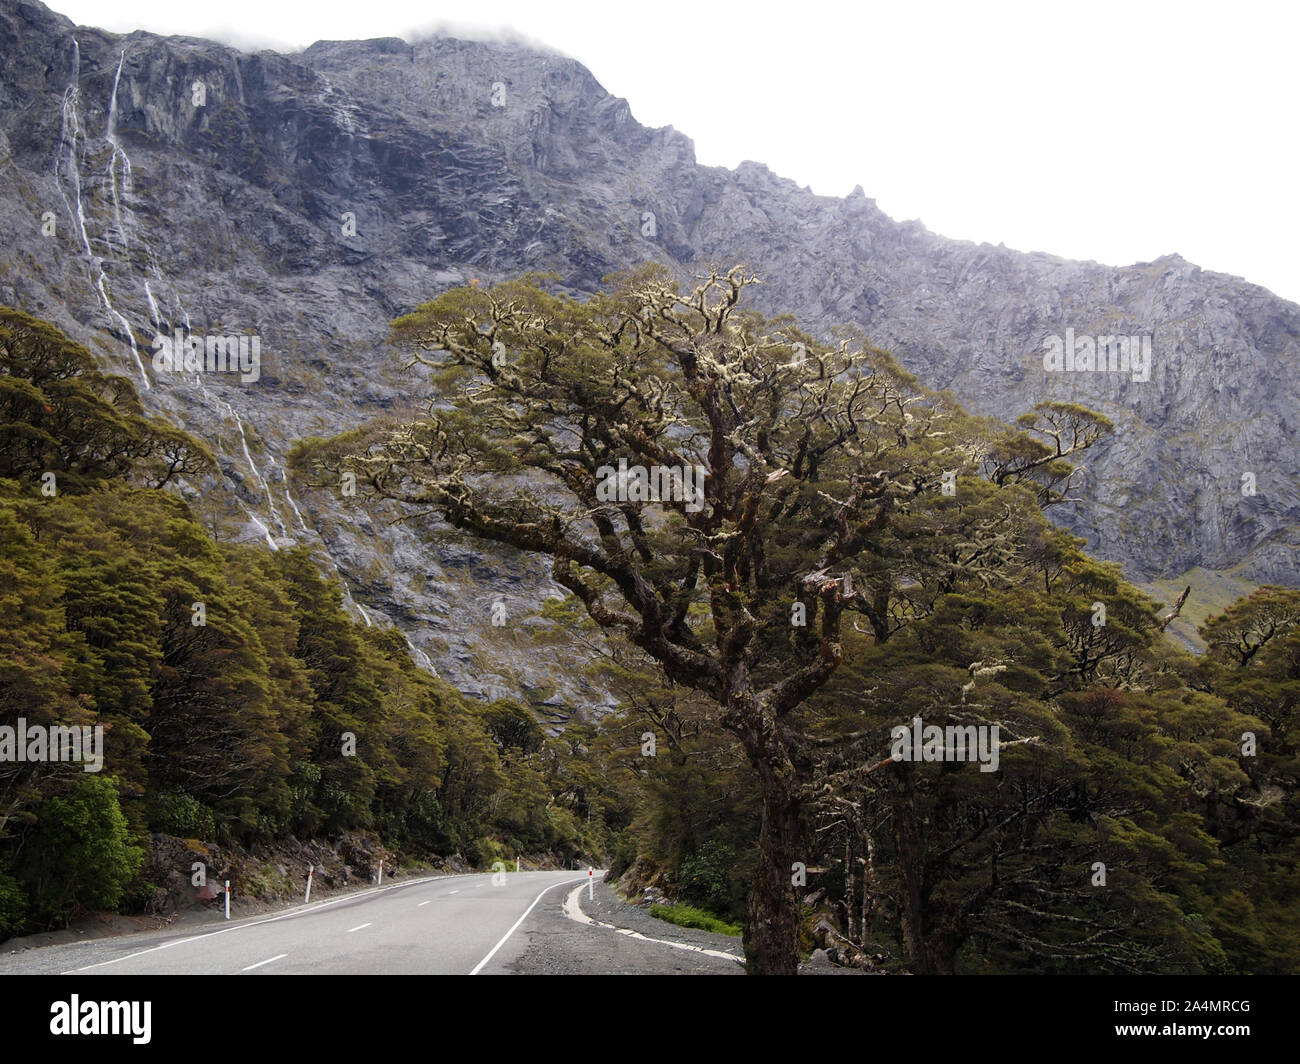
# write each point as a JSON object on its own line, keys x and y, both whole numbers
{"x": 573, "y": 905}
{"x": 478, "y": 967}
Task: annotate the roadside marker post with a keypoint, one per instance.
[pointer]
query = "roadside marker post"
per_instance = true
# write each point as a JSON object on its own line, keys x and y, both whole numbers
{"x": 381, "y": 872}
{"x": 591, "y": 884}
{"x": 516, "y": 864}
{"x": 227, "y": 899}
{"x": 310, "y": 869}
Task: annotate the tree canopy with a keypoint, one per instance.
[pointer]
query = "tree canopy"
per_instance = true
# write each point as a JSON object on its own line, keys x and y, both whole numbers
{"x": 827, "y": 488}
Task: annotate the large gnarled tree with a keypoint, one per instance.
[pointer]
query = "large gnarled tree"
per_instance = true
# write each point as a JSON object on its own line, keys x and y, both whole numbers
{"x": 817, "y": 461}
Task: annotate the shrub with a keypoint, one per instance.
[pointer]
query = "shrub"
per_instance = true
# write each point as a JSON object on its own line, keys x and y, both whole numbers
{"x": 181, "y": 814}
{"x": 80, "y": 854}
{"x": 706, "y": 877}
{"x": 13, "y": 904}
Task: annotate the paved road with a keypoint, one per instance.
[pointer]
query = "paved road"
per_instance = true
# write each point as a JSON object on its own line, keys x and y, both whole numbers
{"x": 448, "y": 925}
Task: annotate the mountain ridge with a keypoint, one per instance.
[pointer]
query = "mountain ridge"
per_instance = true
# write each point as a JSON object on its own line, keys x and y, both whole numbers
{"x": 229, "y": 215}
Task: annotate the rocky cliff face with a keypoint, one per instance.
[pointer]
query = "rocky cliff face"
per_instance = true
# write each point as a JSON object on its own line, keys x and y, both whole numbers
{"x": 154, "y": 184}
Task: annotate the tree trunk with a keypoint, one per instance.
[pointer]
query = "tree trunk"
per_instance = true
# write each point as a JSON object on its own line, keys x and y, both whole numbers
{"x": 942, "y": 950}
{"x": 911, "y": 870}
{"x": 869, "y": 889}
{"x": 772, "y": 934}
{"x": 850, "y": 878}
{"x": 771, "y": 938}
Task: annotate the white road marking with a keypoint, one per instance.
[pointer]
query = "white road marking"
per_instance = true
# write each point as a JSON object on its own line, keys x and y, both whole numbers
{"x": 268, "y": 960}
{"x": 478, "y": 967}
{"x": 451, "y": 892}
{"x": 423, "y": 904}
{"x": 256, "y": 923}
{"x": 357, "y": 928}
{"x": 573, "y": 910}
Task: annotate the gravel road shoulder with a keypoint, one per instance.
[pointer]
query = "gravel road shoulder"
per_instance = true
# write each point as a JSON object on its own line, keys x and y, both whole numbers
{"x": 558, "y": 945}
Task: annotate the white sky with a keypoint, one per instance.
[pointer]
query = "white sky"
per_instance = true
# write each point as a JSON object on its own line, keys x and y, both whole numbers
{"x": 1096, "y": 130}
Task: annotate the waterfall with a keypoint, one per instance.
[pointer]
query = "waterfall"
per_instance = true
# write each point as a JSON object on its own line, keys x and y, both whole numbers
{"x": 289, "y": 498}
{"x": 341, "y": 108}
{"x": 283, "y": 480}
{"x": 257, "y": 473}
{"x": 110, "y": 134}
{"x": 120, "y": 161}
{"x": 257, "y": 521}
{"x": 69, "y": 133}
{"x": 347, "y": 595}
{"x": 68, "y": 179}
{"x": 419, "y": 655}
{"x": 296, "y": 512}
{"x": 154, "y": 313}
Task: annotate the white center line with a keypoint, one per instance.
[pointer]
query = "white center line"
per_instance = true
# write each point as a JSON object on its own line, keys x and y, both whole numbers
{"x": 242, "y": 926}
{"x": 268, "y": 960}
{"x": 423, "y": 904}
{"x": 357, "y": 928}
{"x": 451, "y": 892}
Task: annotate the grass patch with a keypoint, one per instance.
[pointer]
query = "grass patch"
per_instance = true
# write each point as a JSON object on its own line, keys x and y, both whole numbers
{"x": 1212, "y": 593}
{"x": 266, "y": 883}
{"x": 690, "y": 916}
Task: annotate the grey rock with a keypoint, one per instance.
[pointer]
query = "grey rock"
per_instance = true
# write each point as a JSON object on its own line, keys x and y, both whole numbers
{"x": 232, "y": 217}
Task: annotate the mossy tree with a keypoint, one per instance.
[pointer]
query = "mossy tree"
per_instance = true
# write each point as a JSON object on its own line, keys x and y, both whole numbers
{"x": 819, "y": 460}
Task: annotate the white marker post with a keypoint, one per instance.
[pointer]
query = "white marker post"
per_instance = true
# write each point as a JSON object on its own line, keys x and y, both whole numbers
{"x": 591, "y": 884}
{"x": 516, "y": 864}
{"x": 381, "y": 872}
{"x": 310, "y": 869}
{"x": 227, "y": 899}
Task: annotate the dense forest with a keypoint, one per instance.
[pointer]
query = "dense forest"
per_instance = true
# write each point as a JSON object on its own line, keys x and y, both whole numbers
{"x": 275, "y": 716}
{"x": 935, "y": 867}
{"x": 1142, "y": 817}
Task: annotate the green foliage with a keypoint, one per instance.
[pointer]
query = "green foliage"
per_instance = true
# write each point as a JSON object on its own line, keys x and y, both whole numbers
{"x": 623, "y": 851}
{"x": 1126, "y": 753}
{"x": 79, "y": 855}
{"x": 268, "y": 884}
{"x": 229, "y": 731}
{"x": 180, "y": 814}
{"x": 706, "y": 877}
{"x": 488, "y": 852}
{"x": 60, "y": 414}
{"x": 973, "y": 609}
{"x": 512, "y": 727}
{"x": 13, "y": 903}
{"x": 690, "y": 916}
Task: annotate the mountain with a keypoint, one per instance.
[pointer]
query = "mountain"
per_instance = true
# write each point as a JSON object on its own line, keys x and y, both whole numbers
{"x": 308, "y": 199}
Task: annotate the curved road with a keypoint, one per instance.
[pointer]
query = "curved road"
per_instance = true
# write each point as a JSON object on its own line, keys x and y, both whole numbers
{"x": 449, "y": 925}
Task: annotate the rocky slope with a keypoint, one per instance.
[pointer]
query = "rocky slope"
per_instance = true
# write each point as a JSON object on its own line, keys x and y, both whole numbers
{"x": 309, "y": 199}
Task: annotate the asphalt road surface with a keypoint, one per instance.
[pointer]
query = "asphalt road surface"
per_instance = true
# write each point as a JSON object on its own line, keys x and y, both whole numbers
{"x": 450, "y": 925}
